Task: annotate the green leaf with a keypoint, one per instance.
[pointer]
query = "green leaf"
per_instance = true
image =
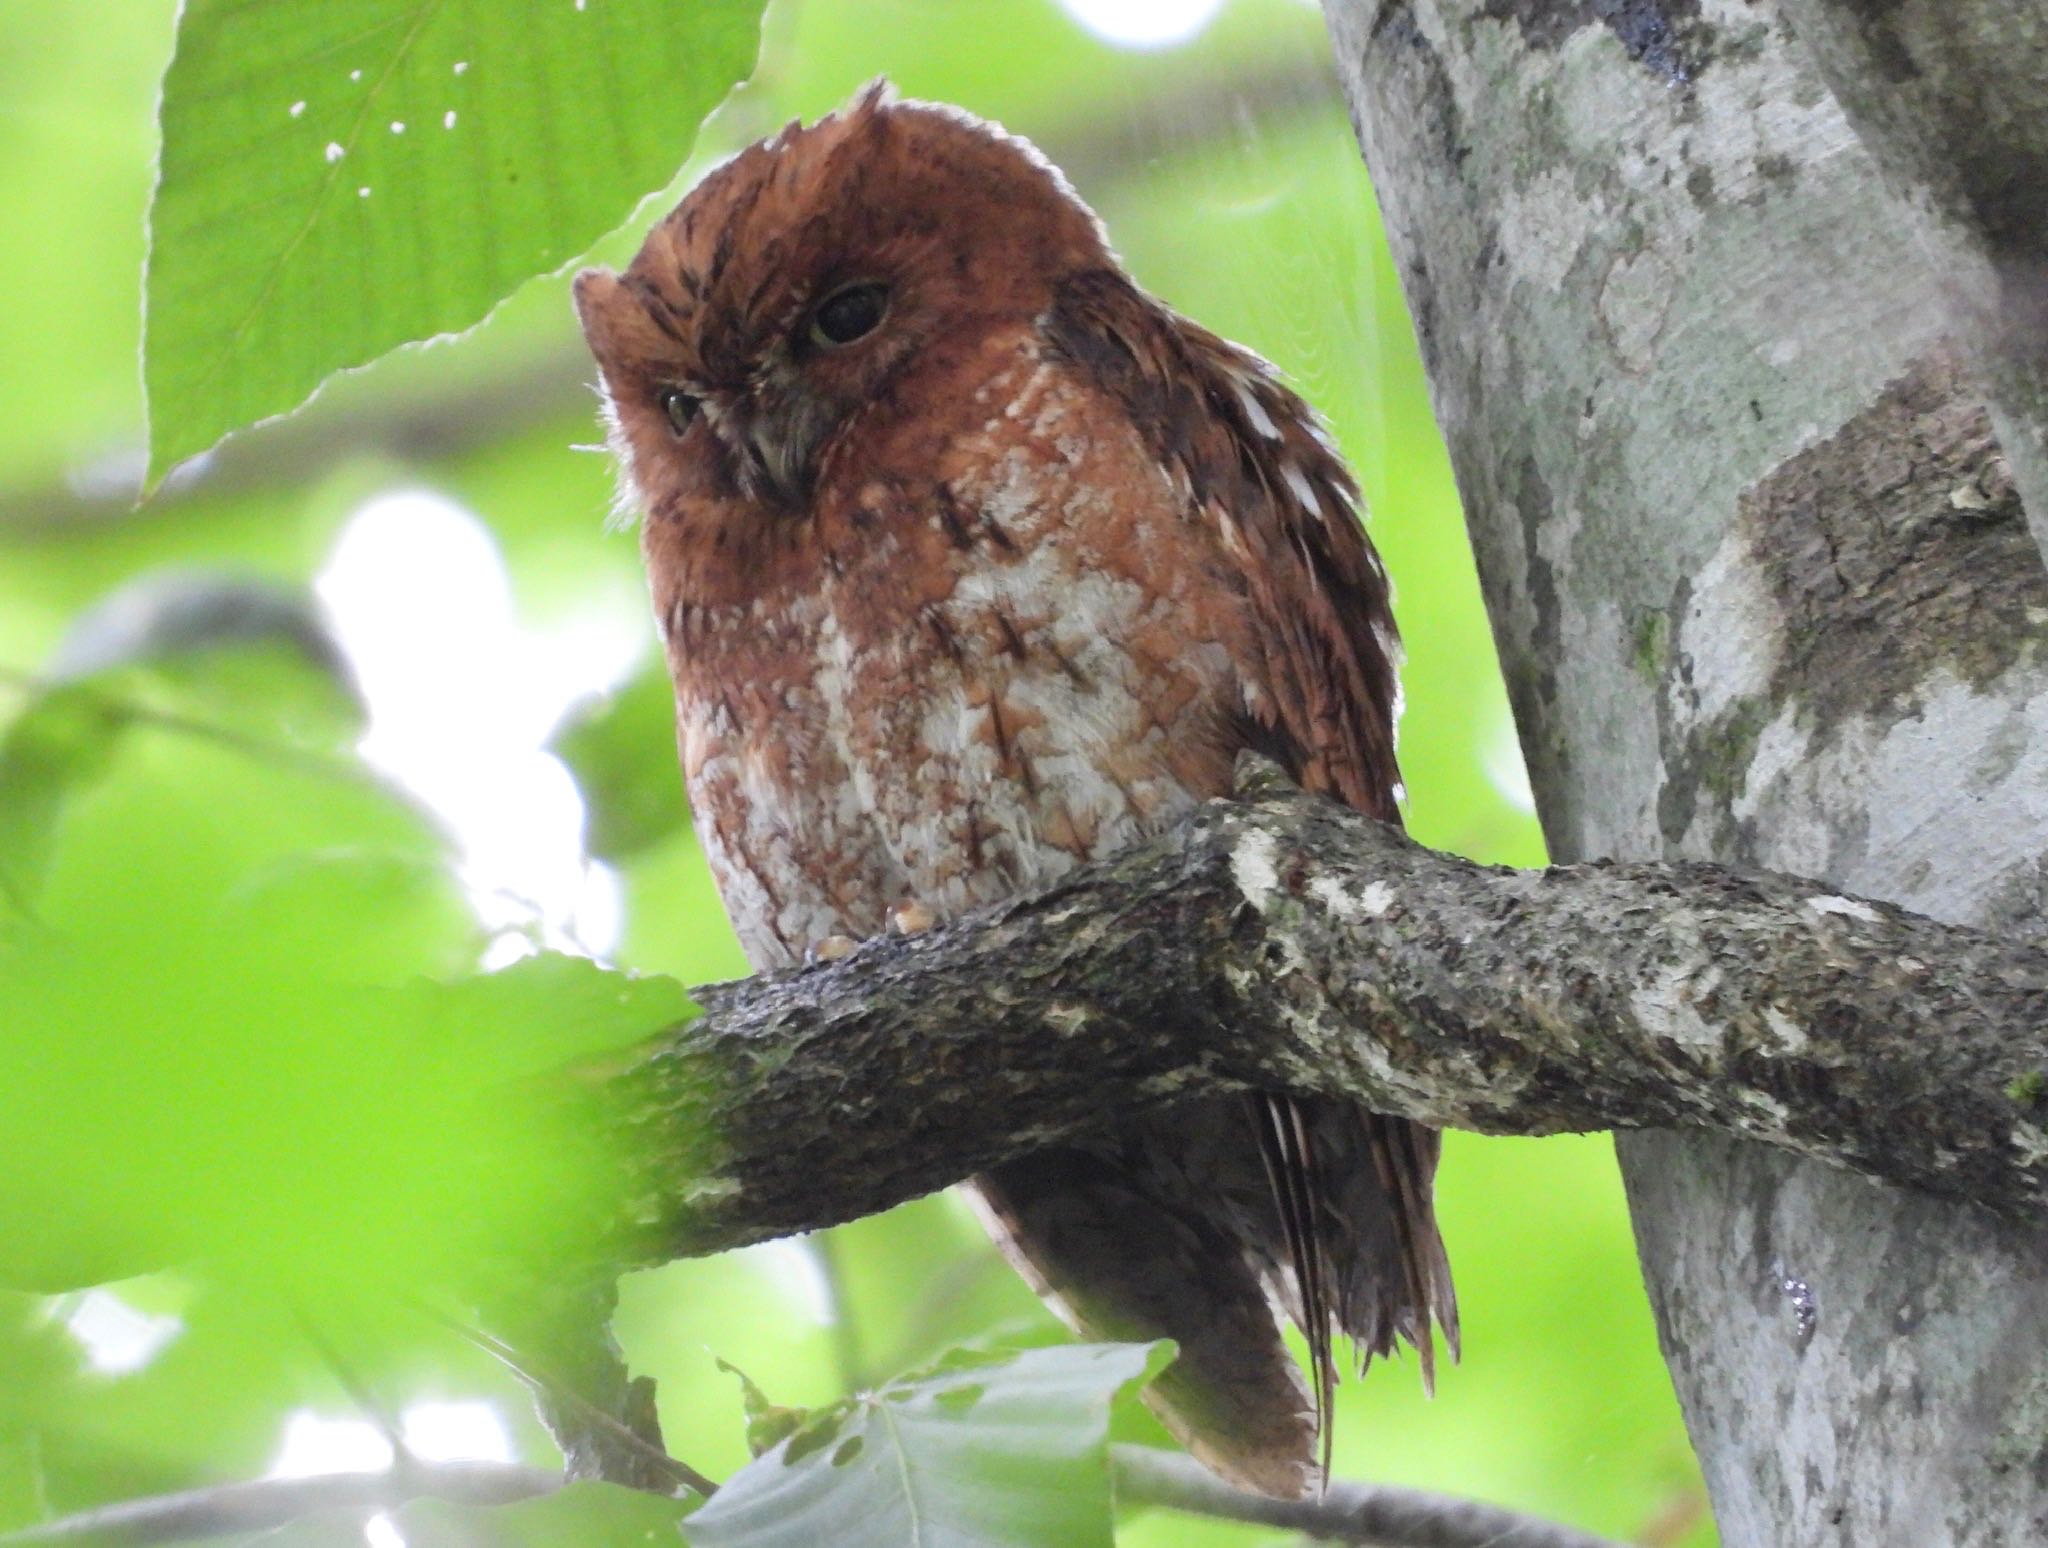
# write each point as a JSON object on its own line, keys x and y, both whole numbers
{"x": 980, "y": 1451}
{"x": 337, "y": 180}
{"x": 64, "y": 739}
{"x": 768, "y": 1424}
{"x": 621, "y": 748}
{"x": 200, "y": 1092}
{"x": 549, "y": 1011}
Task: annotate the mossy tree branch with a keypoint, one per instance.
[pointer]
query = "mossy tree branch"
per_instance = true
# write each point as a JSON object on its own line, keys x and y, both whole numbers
{"x": 1284, "y": 942}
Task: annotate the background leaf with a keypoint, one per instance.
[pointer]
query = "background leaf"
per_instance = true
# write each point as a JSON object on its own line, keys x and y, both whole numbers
{"x": 620, "y": 747}
{"x": 337, "y": 180}
{"x": 1006, "y": 1451}
{"x": 222, "y": 655}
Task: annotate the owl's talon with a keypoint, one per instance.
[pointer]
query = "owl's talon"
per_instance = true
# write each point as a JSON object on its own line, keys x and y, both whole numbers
{"x": 911, "y": 917}
{"x": 830, "y": 949}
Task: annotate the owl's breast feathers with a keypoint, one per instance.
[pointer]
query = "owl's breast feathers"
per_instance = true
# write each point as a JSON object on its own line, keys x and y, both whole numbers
{"x": 996, "y": 648}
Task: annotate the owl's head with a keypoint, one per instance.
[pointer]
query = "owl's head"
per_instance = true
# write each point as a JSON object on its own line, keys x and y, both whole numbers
{"x": 793, "y": 286}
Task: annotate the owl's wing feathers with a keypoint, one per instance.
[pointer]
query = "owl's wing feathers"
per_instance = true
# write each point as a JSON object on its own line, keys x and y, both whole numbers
{"x": 1352, "y": 1236}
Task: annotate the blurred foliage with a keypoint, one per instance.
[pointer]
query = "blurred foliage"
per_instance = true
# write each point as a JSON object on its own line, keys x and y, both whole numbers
{"x": 244, "y": 1031}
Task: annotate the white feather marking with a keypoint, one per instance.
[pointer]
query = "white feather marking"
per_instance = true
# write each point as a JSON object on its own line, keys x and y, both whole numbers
{"x": 1302, "y": 490}
{"x": 1255, "y": 411}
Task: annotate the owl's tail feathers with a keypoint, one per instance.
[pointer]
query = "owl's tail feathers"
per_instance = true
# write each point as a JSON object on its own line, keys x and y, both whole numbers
{"x": 1387, "y": 1269}
{"x": 1116, "y": 1264}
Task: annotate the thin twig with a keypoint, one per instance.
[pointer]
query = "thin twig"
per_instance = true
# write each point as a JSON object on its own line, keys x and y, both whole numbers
{"x": 115, "y": 707}
{"x": 1370, "y": 1514}
{"x": 534, "y": 1376}
{"x": 358, "y": 1390}
{"x": 272, "y": 1502}
{"x": 1345, "y": 1513}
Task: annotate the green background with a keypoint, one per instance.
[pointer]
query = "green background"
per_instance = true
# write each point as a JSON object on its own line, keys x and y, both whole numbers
{"x": 1230, "y": 183}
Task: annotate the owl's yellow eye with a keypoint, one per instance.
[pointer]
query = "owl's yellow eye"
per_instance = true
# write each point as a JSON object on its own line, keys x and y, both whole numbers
{"x": 680, "y": 407}
{"x": 849, "y": 314}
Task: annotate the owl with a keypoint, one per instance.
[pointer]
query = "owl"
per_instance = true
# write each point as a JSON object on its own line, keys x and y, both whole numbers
{"x": 974, "y": 562}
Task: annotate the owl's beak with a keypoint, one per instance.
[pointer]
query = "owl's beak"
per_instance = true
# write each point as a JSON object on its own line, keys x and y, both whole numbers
{"x": 779, "y": 478}
{"x": 775, "y": 429}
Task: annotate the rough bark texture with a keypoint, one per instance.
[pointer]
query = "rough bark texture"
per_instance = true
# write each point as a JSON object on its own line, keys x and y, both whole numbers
{"x": 1290, "y": 943}
{"x": 1951, "y": 98}
{"x": 1764, "y": 592}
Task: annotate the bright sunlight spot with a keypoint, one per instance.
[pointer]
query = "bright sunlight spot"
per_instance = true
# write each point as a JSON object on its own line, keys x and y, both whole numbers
{"x": 381, "y": 1532}
{"x": 468, "y": 1431}
{"x": 314, "y": 1444}
{"x": 795, "y": 1262}
{"x": 116, "y": 1337}
{"x": 1143, "y": 23}
{"x": 462, "y": 697}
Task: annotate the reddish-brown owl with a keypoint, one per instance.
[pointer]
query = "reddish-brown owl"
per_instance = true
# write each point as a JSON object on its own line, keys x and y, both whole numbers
{"x": 973, "y": 562}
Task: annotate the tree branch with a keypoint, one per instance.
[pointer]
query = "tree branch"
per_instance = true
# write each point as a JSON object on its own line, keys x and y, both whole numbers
{"x": 269, "y": 1503}
{"x": 1286, "y": 943}
{"x": 1346, "y": 1513}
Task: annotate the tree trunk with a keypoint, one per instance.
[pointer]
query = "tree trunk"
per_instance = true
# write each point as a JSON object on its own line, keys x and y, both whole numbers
{"x": 1765, "y": 592}
{"x": 1951, "y": 99}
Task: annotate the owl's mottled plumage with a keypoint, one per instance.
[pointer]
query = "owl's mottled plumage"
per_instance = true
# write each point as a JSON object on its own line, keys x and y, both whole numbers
{"x": 996, "y": 585}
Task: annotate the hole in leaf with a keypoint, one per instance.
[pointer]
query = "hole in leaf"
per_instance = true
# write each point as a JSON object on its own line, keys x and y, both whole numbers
{"x": 957, "y": 1400}
{"x": 815, "y": 1436}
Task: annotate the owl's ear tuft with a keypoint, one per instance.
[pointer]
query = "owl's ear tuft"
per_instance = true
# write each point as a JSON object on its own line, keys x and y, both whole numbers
{"x": 878, "y": 93}
{"x": 597, "y": 292}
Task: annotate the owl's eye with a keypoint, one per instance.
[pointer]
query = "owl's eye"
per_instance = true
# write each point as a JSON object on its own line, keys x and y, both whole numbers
{"x": 849, "y": 314}
{"x": 680, "y": 407}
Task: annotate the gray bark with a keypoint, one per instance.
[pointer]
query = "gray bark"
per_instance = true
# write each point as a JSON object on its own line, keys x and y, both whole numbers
{"x": 1288, "y": 943}
{"x": 1951, "y": 99}
{"x": 1764, "y": 592}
